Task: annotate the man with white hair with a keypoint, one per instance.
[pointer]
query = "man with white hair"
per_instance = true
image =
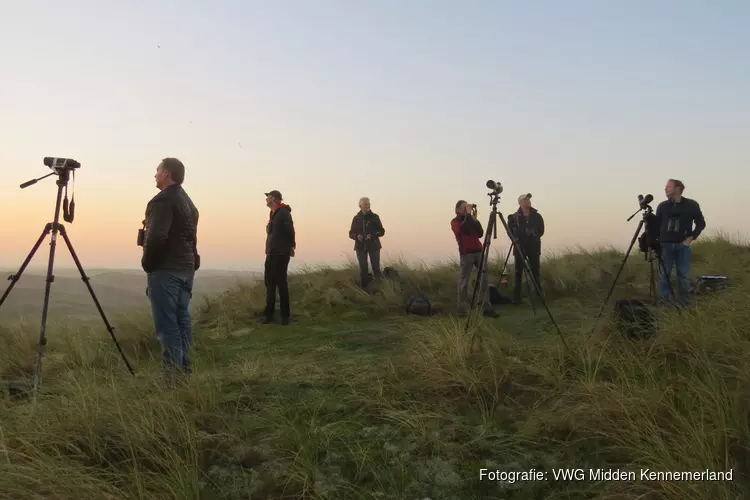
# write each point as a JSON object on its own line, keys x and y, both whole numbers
{"x": 527, "y": 224}
{"x": 366, "y": 231}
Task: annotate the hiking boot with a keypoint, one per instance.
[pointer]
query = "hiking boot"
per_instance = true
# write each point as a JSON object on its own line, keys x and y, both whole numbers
{"x": 266, "y": 320}
{"x": 490, "y": 313}
{"x": 284, "y": 321}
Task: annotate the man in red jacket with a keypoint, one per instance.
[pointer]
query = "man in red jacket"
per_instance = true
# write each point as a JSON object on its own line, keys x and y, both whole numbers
{"x": 468, "y": 231}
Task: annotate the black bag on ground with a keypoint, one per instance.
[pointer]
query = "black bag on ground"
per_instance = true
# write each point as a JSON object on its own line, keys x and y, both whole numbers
{"x": 496, "y": 297}
{"x": 708, "y": 284}
{"x": 634, "y": 318}
{"x": 418, "y": 304}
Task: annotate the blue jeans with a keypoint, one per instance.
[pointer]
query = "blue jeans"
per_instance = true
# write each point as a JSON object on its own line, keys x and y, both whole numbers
{"x": 679, "y": 256}
{"x": 170, "y": 293}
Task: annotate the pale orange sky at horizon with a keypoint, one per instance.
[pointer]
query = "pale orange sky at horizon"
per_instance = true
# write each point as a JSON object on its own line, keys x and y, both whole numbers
{"x": 583, "y": 107}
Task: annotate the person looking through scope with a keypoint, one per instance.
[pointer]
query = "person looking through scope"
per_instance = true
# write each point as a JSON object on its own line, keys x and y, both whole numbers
{"x": 468, "y": 231}
{"x": 676, "y": 216}
{"x": 527, "y": 225}
{"x": 366, "y": 231}
{"x": 170, "y": 259}
{"x": 281, "y": 244}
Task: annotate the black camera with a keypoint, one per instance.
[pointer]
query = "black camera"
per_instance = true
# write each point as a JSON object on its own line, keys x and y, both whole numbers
{"x": 142, "y": 235}
{"x": 473, "y": 205}
{"x": 495, "y": 186}
{"x": 61, "y": 164}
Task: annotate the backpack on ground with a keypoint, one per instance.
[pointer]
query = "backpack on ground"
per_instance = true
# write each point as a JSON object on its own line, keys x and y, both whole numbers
{"x": 496, "y": 298}
{"x": 634, "y": 318}
{"x": 418, "y": 304}
{"x": 708, "y": 284}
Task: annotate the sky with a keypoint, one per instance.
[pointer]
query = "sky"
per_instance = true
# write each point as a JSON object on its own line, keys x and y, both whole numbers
{"x": 585, "y": 104}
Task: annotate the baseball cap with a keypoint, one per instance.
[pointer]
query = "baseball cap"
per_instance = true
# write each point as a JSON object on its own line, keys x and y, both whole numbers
{"x": 275, "y": 194}
{"x": 526, "y": 196}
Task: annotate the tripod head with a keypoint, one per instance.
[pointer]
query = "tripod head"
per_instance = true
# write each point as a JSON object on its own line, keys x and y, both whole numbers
{"x": 62, "y": 167}
{"x": 496, "y": 188}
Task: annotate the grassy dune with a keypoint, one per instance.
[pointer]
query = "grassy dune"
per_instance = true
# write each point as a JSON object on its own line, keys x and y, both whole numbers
{"x": 355, "y": 400}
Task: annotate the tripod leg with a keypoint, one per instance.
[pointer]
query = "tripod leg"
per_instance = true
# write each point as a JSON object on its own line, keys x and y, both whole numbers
{"x": 13, "y": 278}
{"x": 619, "y": 271}
{"x": 537, "y": 288}
{"x": 85, "y": 279}
{"x": 45, "y": 308}
{"x": 507, "y": 258}
{"x": 491, "y": 224}
{"x": 529, "y": 278}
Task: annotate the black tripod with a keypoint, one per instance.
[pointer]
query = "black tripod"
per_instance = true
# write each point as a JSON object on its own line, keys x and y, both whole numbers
{"x": 525, "y": 268}
{"x": 494, "y": 195}
{"x": 62, "y": 167}
{"x": 649, "y": 245}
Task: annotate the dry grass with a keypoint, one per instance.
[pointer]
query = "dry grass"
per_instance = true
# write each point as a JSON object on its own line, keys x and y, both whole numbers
{"x": 356, "y": 400}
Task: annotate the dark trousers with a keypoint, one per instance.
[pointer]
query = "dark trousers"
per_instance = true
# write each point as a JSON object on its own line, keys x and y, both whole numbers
{"x": 520, "y": 269}
{"x": 275, "y": 277}
{"x": 169, "y": 293}
{"x": 374, "y": 254}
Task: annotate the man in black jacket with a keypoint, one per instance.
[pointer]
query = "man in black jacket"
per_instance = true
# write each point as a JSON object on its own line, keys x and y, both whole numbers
{"x": 170, "y": 259}
{"x": 280, "y": 246}
{"x": 676, "y": 216}
{"x": 527, "y": 225}
{"x": 366, "y": 231}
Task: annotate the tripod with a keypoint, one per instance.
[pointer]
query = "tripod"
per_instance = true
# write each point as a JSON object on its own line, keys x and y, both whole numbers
{"x": 494, "y": 195}
{"x": 652, "y": 251}
{"x": 62, "y": 167}
{"x": 502, "y": 273}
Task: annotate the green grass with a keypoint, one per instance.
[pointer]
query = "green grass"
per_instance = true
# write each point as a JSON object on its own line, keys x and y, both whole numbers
{"x": 356, "y": 400}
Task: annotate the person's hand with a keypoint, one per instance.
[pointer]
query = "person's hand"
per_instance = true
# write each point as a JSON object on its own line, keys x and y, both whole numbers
{"x": 468, "y": 209}
{"x": 688, "y": 241}
{"x": 359, "y": 237}
{"x": 368, "y": 237}
{"x": 291, "y": 254}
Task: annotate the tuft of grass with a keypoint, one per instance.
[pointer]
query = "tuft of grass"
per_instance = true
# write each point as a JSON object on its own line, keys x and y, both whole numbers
{"x": 355, "y": 400}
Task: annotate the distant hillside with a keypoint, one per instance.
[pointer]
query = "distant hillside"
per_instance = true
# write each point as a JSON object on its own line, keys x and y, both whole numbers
{"x": 118, "y": 291}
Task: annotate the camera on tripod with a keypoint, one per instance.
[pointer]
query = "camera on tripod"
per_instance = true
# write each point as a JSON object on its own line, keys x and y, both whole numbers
{"x": 60, "y": 165}
{"x": 494, "y": 186}
{"x": 649, "y": 240}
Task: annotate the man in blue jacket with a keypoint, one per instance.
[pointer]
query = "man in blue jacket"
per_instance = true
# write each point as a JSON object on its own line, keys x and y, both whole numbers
{"x": 676, "y": 216}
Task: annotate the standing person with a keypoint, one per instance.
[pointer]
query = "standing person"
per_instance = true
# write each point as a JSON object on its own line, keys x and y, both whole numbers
{"x": 527, "y": 224}
{"x": 676, "y": 216}
{"x": 170, "y": 259}
{"x": 280, "y": 246}
{"x": 366, "y": 231}
{"x": 467, "y": 230}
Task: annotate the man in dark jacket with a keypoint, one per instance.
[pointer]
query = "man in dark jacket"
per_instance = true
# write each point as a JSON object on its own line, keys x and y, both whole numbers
{"x": 527, "y": 225}
{"x": 170, "y": 258}
{"x": 366, "y": 231}
{"x": 280, "y": 246}
{"x": 467, "y": 230}
{"x": 676, "y": 216}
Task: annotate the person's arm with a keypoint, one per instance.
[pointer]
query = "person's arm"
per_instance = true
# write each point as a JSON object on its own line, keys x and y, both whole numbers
{"x": 700, "y": 221}
{"x": 477, "y": 228}
{"x": 381, "y": 230}
{"x": 287, "y": 226}
{"x": 541, "y": 225}
{"x": 352, "y": 229}
{"x": 158, "y": 224}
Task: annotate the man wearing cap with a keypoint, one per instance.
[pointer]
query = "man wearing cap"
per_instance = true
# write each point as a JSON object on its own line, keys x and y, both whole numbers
{"x": 527, "y": 226}
{"x": 280, "y": 246}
